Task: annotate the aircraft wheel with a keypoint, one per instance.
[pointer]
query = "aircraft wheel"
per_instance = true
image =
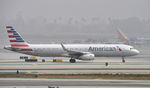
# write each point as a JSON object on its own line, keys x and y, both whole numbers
{"x": 123, "y": 60}
{"x": 72, "y": 60}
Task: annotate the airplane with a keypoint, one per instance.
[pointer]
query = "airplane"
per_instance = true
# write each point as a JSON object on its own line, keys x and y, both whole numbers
{"x": 73, "y": 51}
{"x": 129, "y": 40}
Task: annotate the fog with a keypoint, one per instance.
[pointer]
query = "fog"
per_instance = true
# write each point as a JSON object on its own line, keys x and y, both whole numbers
{"x": 75, "y": 8}
{"x": 74, "y": 21}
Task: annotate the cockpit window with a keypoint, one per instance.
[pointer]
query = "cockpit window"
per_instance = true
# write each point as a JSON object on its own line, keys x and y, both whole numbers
{"x": 131, "y": 48}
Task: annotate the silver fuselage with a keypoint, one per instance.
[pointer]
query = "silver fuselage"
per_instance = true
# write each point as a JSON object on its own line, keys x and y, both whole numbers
{"x": 99, "y": 50}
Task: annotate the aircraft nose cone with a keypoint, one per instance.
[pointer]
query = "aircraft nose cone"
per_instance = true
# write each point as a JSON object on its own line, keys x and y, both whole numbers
{"x": 136, "y": 52}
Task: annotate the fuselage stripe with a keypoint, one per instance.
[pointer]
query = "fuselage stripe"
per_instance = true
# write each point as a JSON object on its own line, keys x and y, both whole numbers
{"x": 19, "y": 45}
{"x": 25, "y": 49}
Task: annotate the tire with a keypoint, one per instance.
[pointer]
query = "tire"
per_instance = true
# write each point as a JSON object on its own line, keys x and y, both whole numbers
{"x": 72, "y": 60}
{"x": 123, "y": 61}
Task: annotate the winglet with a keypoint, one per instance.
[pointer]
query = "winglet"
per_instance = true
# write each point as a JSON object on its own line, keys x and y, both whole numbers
{"x": 64, "y": 47}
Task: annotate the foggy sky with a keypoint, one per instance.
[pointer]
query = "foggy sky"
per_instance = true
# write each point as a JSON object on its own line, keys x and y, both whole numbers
{"x": 35, "y": 19}
{"x": 75, "y": 8}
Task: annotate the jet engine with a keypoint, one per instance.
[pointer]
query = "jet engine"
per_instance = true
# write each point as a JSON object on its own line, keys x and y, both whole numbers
{"x": 88, "y": 56}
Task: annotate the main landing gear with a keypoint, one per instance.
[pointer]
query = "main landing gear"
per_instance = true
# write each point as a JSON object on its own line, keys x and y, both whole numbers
{"x": 72, "y": 60}
{"x": 123, "y": 60}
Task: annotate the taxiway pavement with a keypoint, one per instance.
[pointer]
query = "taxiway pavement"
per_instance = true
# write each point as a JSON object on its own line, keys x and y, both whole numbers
{"x": 74, "y": 82}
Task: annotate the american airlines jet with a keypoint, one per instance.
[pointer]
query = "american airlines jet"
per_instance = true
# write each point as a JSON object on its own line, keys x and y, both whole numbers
{"x": 74, "y": 51}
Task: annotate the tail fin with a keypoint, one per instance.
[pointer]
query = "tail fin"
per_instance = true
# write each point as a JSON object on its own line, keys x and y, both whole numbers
{"x": 15, "y": 39}
{"x": 123, "y": 36}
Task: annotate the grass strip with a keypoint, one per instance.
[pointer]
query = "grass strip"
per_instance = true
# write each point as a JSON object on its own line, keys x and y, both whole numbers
{"x": 79, "y": 76}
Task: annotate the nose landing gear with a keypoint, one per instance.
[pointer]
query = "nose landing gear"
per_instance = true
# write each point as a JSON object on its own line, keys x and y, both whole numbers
{"x": 123, "y": 60}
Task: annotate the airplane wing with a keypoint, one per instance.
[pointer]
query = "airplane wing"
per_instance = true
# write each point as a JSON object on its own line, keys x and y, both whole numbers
{"x": 73, "y": 53}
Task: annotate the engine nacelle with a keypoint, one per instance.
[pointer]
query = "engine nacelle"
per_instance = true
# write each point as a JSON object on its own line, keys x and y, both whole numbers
{"x": 88, "y": 56}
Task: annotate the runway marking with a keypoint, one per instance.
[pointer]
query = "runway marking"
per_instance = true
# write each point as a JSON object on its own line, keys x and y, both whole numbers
{"x": 34, "y": 64}
{"x": 29, "y": 72}
{"x": 79, "y": 69}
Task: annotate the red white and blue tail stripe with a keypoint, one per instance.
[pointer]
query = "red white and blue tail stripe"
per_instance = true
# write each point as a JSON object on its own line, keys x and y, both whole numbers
{"x": 15, "y": 39}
